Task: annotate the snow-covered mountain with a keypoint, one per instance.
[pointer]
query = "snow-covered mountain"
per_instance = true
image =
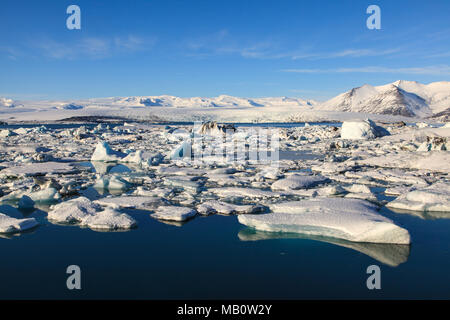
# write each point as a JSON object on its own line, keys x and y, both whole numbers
{"x": 220, "y": 101}
{"x": 405, "y": 98}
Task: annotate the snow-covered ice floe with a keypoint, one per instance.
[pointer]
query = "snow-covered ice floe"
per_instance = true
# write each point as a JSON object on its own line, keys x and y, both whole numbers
{"x": 84, "y": 212}
{"x": 432, "y": 198}
{"x": 131, "y": 202}
{"x": 298, "y": 181}
{"x": 10, "y": 224}
{"x": 173, "y": 213}
{"x": 362, "y": 129}
{"x": 214, "y": 206}
{"x": 349, "y": 219}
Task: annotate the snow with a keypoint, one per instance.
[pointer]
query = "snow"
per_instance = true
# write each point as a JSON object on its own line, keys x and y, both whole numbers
{"x": 103, "y": 152}
{"x": 84, "y": 212}
{"x": 173, "y": 213}
{"x": 348, "y": 219}
{"x": 215, "y": 206}
{"x": 109, "y": 220}
{"x": 73, "y": 211}
{"x": 131, "y": 202}
{"x": 432, "y": 198}
{"x": 33, "y": 169}
{"x": 408, "y": 98}
{"x": 298, "y": 181}
{"x": 365, "y": 129}
{"x": 13, "y": 225}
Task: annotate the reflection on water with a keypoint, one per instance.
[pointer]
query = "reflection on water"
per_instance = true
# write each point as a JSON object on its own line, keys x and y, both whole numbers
{"x": 430, "y": 215}
{"x": 389, "y": 254}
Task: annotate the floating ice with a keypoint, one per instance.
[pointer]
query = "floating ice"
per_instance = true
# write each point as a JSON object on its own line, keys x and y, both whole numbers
{"x": 73, "y": 211}
{"x": 108, "y": 220}
{"x": 298, "y": 181}
{"x": 87, "y": 213}
{"x": 174, "y": 213}
{"x": 131, "y": 202}
{"x": 26, "y": 202}
{"x": 362, "y": 129}
{"x": 13, "y": 225}
{"x": 214, "y": 206}
{"x": 433, "y": 198}
{"x": 103, "y": 152}
{"x": 348, "y": 219}
{"x": 111, "y": 183}
{"x": 34, "y": 169}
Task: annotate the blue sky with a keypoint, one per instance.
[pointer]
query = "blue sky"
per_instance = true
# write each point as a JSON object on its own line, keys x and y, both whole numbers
{"x": 310, "y": 49}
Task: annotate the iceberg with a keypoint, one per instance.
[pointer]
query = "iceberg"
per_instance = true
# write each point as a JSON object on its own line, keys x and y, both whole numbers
{"x": 214, "y": 206}
{"x": 73, "y": 211}
{"x": 173, "y": 213}
{"x": 348, "y": 219}
{"x": 111, "y": 183}
{"x": 109, "y": 220}
{"x": 84, "y": 212}
{"x": 298, "y": 181}
{"x": 434, "y": 198}
{"x": 13, "y": 225}
{"x": 362, "y": 129}
{"x": 103, "y": 152}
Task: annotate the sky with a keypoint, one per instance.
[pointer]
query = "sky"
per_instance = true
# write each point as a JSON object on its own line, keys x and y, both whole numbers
{"x": 309, "y": 49}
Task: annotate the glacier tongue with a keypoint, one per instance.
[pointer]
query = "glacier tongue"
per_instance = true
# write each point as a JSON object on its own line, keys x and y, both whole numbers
{"x": 348, "y": 219}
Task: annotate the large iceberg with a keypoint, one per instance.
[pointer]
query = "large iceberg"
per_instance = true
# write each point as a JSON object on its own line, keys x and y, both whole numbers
{"x": 348, "y": 219}
{"x": 362, "y": 129}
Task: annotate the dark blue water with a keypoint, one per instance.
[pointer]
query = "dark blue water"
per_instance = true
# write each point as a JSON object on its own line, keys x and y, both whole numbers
{"x": 216, "y": 257}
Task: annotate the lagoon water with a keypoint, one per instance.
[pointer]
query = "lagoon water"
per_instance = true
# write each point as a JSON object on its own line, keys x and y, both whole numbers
{"x": 215, "y": 257}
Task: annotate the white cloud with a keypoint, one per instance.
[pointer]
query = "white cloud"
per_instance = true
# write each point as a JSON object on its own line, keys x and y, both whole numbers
{"x": 88, "y": 47}
{"x": 428, "y": 70}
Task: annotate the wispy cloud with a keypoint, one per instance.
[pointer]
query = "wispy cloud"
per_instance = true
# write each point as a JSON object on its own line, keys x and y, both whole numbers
{"x": 428, "y": 70}
{"x": 88, "y": 47}
{"x": 223, "y": 43}
{"x": 93, "y": 48}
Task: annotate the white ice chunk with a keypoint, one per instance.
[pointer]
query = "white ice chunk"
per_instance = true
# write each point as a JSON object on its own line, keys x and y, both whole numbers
{"x": 362, "y": 129}
{"x": 73, "y": 211}
{"x": 13, "y": 225}
{"x": 215, "y": 206}
{"x": 349, "y": 219}
{"x": 87, "y": 213}
{"x": 433, "y": 198}
{"x": 174, "y": 213}
{"x": 298, "y": 181}
{"x": 108, "y": 220}
{"x": 103, "y": 152}
{"x": 131, "y": 202}
{"x": 111, "y": 183}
